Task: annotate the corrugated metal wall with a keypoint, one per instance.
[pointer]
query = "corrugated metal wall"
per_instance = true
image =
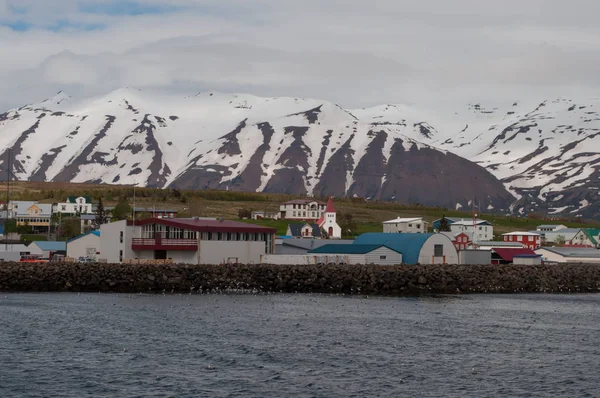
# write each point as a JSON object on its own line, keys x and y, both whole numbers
{"x": 374, "y": 257}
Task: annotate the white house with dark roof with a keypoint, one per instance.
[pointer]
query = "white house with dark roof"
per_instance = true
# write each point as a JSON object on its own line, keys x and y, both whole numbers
{"x": 480, "y": 230}
{"x": 304, "y": 230}
{"x": 406, "y": 225}
{"x": 550, "y": 227}
{"x": 74, "y": 205}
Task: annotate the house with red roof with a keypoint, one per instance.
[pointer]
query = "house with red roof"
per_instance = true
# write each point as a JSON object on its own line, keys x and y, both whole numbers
{"x": 185, "y": 240}
{"x": 327, "y": 222}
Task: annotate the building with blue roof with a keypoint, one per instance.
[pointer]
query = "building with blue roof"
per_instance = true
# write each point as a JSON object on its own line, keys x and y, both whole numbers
{"x": 46, "y": 249}
{"x": 415, "y": 248}
{"x": 85, "y": 246}
{"x": 356, "y": 254}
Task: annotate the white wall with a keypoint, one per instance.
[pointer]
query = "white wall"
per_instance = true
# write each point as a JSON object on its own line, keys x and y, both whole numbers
{"x": 391, "y": 257}
{"x": 426, "y": 256}
{"x": 217, "y": 252}
{"x": 288, "y": 259}
{"x": 417, "y": 227}
{"x": 527, "y": 260}
{"x": 110, "y": 244}
{"x": 79, "y": 247}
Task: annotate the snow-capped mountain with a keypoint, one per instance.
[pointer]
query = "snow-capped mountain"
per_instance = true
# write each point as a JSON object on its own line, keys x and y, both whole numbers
{"x": 543, "y": 153}
{"x": 241, "y": 142}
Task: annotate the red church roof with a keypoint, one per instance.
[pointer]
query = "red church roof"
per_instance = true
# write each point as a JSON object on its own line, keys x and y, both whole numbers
{"x": 330, "y": 207}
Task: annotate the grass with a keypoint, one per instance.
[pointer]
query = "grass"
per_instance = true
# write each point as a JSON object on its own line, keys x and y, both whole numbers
{"x": 211, "y": 203}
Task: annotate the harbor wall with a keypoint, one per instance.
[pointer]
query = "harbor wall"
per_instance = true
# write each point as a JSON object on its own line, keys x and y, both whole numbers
{"x": 353, "y": 279}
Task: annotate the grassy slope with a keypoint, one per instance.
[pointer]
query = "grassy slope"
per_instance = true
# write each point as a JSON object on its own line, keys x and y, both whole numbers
{"x": 368, "y": 215}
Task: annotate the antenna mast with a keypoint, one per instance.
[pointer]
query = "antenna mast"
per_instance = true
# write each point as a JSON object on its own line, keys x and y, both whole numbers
{"x": 7, "y": 197}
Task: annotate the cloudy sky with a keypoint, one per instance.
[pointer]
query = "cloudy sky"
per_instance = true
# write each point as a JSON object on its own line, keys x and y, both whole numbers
{"x": 353, "y": 52}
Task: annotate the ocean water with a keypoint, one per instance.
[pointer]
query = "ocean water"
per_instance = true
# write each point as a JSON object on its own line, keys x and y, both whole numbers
{"x": 101, "y": 345}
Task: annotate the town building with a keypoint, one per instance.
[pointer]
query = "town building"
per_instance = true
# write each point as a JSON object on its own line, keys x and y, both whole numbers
{"x": 415, "y": 248}
{"x": 550, "y": 227}
{"x": 302, "y": 209}
{"x": 47, "y": 249}
{"x": 462, "y": 241}
{"x": 559, "y": 236}
{"x": 86, "y": 246}
{"x": 74, "y": 206}
{"x": 586, "y": 237}
{"x": 265, "y": 215}
{"x": 406, "y": 225}
{"x": 13, "y": 252}
{"x": 527, "y": 259}
{"x": 185, "y": 240}
{"x": 87, "y": 222}
{"x": 563, "y": 255}
{"x": 356, "y": 254}
{"x": 507, "y": 255}
{"x": 303, "y": 246}
{"x": 38, "y": 216}
{"x": 478, "y": 230}
{"x": 304, "y": 230}
{"x": 530, "y": 240}
{"x": 328, "y": 221}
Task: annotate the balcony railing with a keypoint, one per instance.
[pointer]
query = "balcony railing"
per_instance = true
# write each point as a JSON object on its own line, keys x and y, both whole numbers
{"x": 159, "y": 243}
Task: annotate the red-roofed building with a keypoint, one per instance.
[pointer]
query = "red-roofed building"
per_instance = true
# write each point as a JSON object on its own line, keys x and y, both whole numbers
{"x": 508, "y": 255}
{"x": 191, "y": 241}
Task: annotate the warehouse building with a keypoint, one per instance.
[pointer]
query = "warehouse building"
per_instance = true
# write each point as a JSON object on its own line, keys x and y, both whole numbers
{"x": 186, "y": 240}
{"x": 415, "y": 248}
{"x": 356, "y": 254}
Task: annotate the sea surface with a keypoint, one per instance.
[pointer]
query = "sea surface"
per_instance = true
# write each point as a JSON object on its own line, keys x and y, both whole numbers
{"x": 245, "y": 345}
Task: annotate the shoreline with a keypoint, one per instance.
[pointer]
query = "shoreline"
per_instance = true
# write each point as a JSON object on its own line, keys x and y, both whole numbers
{"x": 372, "y": 280}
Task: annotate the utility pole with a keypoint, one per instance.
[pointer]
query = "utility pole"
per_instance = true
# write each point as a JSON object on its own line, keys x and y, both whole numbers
{"x": 7, "y": 199}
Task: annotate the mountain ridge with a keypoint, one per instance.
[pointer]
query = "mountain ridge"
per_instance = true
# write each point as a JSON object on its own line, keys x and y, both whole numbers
{"x": 503, "y": 158}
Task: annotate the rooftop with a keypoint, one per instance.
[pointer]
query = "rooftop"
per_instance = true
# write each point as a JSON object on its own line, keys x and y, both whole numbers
{"x": 94, "y": 232}
{"x": 347, "y": 249}
{"x": 576, "y": 252}
{"x": 507, "y": 254}
{"x": 303, "y": 202}
{"x": 50, "y": 245}
{"x": 207, "y": 225}
{"x": 520, "y": 233}
{"x": 408, "y": 244}
{"x": 498, "y": 244}
{"x": 403, "y": 220}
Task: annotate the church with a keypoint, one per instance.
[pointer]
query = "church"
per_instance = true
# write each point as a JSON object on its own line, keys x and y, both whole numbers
{"x": 328, "y": 222}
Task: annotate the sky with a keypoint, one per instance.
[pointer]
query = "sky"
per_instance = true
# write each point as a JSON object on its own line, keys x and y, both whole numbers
{"x": 355, "y": 53}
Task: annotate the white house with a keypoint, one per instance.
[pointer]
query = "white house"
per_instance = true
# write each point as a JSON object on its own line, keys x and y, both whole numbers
{"x": 406, "y": 225}
{"x": 265, "y": 215}
{"x": 328, "y": 222}
{"x": 564, "y": 235}
{"x": 74, "y": 205}
{"x": 550, "y": 227}
{"x": 480, "y": 230}
{"x": 86, "y": 245}
{"x": 356, "y": 254}
{"x": 46, "y": 249}
{"x": 186, "y": 241}
{"x": 586, "y": 237}
{"x": 302, "y": 209}
{"x": 304, "y": 230}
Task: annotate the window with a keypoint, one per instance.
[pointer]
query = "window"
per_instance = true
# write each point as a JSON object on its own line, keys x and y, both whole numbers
{"x": 418, "y": 226}
{"x": 519, "y": 238}
{"x": 121, "y": 239}
{"x": 382, "y": 257}
{"x": 120, "y": 256}
{"x": 480, "y": 228}
{"x": 294, "y": 214}
{"x": 63, "y": 207}
{"x": 409, "y": 225}
{"x": 438, "y": 250}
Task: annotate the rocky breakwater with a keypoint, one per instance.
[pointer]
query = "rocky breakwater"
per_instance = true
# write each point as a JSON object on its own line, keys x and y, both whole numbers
{"x": 369, "y": 280}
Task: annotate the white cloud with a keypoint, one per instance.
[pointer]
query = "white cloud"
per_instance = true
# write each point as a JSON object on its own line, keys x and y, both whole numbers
{"x": 354, "y": 52}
